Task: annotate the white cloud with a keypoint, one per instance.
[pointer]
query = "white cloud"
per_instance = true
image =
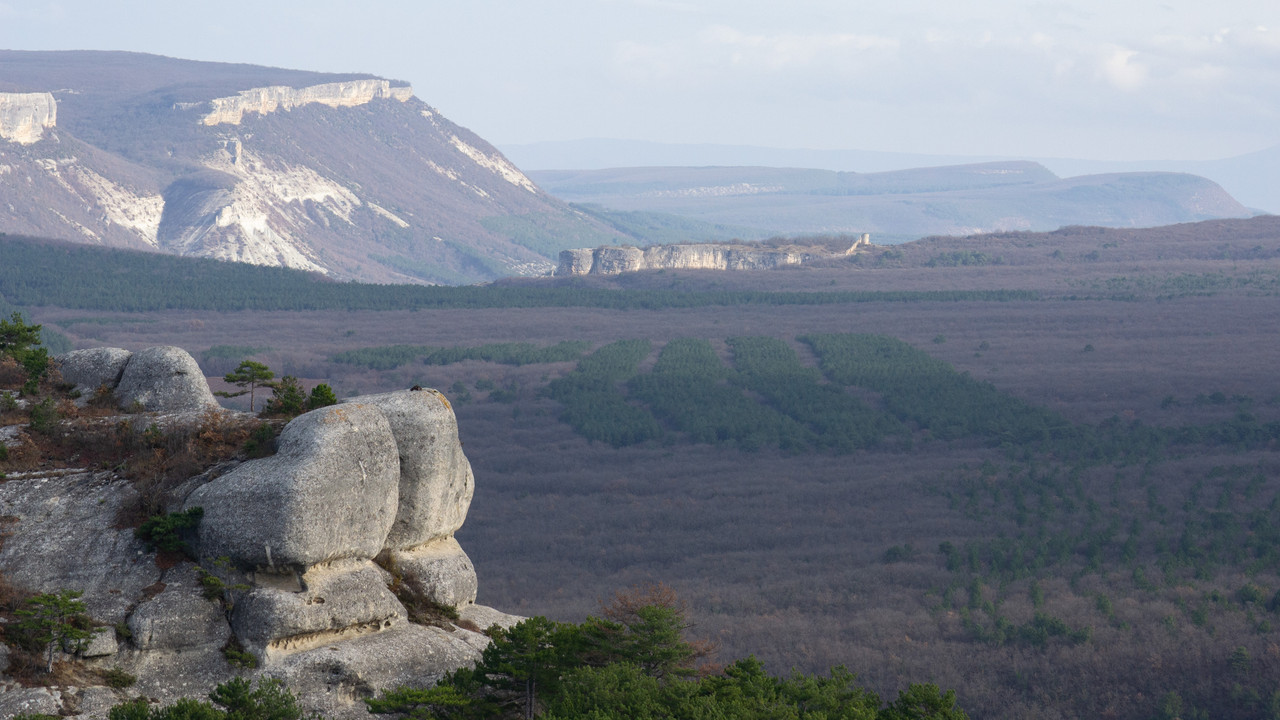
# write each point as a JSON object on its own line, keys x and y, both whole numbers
{"x": 1121, "y": 70}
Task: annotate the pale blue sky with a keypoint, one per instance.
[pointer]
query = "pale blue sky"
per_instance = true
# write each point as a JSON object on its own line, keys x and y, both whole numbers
{"x": 1097, "y": 79}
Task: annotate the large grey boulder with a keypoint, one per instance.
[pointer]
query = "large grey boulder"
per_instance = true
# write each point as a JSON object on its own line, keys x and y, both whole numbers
{"x": 436, "y": 483}
{"x": 337, "y": 601}
{"x": 329, "y": 493}
{"x": 439, "y": 572}
{"x": 164, "y": 379}
{"x": 91, "y": 369}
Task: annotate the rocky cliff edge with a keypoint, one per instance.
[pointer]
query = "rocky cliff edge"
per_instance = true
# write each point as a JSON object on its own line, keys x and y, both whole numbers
{"x": 318, "y": 564}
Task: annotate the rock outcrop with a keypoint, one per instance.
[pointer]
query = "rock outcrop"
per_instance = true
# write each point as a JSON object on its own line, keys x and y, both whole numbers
{"x": 264, "y": 100}
{"x": 329, "y": 493}
{"x": 157, "y": 379}
{"x": 702, "y": 256}
{"x": 25, "y": 116}
{"x": 436, "y": 483}
{"x": 308, "y": 559}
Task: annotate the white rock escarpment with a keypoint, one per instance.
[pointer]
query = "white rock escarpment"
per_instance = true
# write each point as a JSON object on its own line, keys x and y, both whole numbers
{"x": 25, "y": 116}
{"x": 701, "y": 256}
{"x": 264, "y": 100}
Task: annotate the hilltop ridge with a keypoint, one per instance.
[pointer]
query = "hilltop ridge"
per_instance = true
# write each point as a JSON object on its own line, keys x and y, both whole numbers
{"x": 345, "y": 175}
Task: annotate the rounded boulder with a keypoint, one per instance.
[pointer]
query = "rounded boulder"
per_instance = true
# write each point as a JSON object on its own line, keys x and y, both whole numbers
{"x": 164, "y": 379}
{"x": 436, "y": 483}
{"x": 329, "y": 493}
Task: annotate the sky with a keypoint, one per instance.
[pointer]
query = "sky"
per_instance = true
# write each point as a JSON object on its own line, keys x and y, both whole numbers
{"x": 1089, "y": 79}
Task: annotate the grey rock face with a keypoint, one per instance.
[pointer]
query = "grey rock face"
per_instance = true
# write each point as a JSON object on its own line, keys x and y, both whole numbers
{"x": 328, "y": 493}
{"x": 436, "y": 483}
{"x": 30, "y": 701}
{"x": 180, "y": 617}
{"x": 64, "y": 539}
{"x": 102, "y": 644}
{"x": 439, "y": 571}
{"x": 90, "y": 369}
{"x": 164, "y": 379}
{"x": 337, "y": 602}
{"x": 332, "y": 679}
{"x": 95, "y": 702}
{"x": 485, "y": 617}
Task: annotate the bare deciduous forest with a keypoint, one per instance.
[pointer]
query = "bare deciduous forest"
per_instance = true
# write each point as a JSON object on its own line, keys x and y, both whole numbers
{"x": 1129, "y": 571}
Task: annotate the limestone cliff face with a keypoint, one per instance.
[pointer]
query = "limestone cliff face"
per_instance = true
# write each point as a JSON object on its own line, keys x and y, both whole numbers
{"x": 264, "y": 100}
{"x": 703, "y": 256}
{"x": 25, "y": 116}
{"x": 361, "y": 499}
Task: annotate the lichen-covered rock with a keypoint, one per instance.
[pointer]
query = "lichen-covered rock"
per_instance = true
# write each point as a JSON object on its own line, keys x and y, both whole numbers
{"x": 439, "y": 571}
{"x": 91, "y": 369}
{"x": 338, "y": 601}
{"x": 329, "y": 493}
{"x": 179, "y": 617}
{"x": 436, "y": 483}
{"x": 164, "y": 379}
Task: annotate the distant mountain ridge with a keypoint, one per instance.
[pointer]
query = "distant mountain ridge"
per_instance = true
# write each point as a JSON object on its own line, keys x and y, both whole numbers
{"x": 1252, "y": 178}
{"x": 346, "y": 175}
{"x": 898, "y": 205}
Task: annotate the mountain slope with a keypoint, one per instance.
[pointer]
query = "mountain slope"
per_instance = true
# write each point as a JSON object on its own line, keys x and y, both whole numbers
{"x": 347, "y": 175}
